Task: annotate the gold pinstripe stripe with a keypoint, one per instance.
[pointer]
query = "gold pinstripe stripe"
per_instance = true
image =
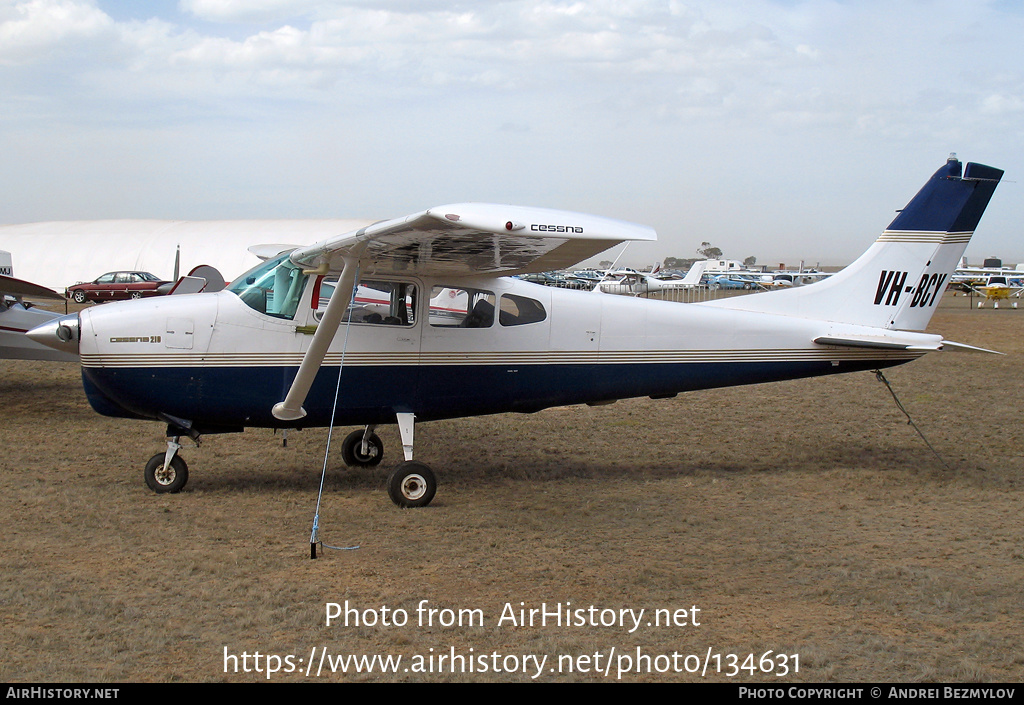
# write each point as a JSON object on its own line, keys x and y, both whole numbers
{"x": 930, "y": 237}
{"x": 573, "y": 357}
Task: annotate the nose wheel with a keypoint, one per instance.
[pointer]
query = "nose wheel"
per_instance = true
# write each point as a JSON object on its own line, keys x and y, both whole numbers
{"x": 362, "y": 449}
{"x": 167, "y": 472}
{"x": 166, "y": 477}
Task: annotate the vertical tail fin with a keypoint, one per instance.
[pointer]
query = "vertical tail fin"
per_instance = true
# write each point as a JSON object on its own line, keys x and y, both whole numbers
{"x": 899, "y": 280}
{"x": 694, "y": 274}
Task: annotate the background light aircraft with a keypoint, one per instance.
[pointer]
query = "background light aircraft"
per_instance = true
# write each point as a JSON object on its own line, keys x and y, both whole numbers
{"x": 997, "y": 288}
{"x": 635, "y": 283}
{"x": 263, "y": 353}
{"x": 786, "y": 279}
{"x": 969, "y": 279}
{"x": 966, "y": 271}
{"x": 17, "y": 317}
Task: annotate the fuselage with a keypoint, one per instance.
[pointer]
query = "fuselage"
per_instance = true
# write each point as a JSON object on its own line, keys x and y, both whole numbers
{"x": 437, "y": 348}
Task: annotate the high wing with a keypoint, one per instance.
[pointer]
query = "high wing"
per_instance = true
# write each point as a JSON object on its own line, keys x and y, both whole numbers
{"x": 469, "y": 239}
{"x": 465, "y": 239}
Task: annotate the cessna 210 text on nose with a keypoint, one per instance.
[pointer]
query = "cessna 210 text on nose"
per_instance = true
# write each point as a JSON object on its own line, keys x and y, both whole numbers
{"x": 413, "y": 319}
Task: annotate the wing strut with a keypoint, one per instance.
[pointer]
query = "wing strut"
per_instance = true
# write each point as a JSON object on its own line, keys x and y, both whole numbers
{"x": 291, "y": 408}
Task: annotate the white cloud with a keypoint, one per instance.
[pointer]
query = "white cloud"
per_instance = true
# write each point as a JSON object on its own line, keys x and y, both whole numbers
{"x": 32, "y": 31}
{"x": 999, "y": 104}
{"x": 556, "y": 100}
{"x": 247, "y": 10}
{"x": 513, "y": 45}
{"x": 230, "y": 11}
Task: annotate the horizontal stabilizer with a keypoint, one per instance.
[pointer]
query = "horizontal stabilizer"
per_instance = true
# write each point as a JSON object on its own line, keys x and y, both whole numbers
{"x": 889, "y": 343}
{"x": 876, "y": 343}
{"x": 950, "y": 346}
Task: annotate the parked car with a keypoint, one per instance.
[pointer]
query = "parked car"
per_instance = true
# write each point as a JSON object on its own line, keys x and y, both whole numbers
{"x": 114, "y": 286}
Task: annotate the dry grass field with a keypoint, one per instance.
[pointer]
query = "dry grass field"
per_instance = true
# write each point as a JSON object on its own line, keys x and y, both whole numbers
{"x": 803, "y": 518}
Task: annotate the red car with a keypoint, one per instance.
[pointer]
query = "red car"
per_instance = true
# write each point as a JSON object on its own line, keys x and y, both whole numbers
{"x": 114, "y": 286}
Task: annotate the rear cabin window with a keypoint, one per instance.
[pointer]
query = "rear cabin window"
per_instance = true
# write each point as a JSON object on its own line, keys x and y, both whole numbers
{"x": 452, "y": 307}
{"x": 520, "y": 310}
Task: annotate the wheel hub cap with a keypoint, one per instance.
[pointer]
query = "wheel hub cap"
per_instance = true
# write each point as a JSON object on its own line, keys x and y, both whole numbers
{"x": 414, "y": 487}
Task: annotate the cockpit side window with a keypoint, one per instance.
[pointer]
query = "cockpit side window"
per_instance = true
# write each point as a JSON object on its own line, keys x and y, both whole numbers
{"x": 273, "y": 288}
{"x": 390, "y": 303}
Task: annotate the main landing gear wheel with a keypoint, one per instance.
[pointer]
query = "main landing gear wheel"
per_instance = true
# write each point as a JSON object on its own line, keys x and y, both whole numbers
{"x": 412, "y": 484}
{"x": 166, "y": 481}
{"x": 352, "y": 450}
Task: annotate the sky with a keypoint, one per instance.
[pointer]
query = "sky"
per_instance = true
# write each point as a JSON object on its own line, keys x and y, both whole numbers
{"x": 786, "y": 130}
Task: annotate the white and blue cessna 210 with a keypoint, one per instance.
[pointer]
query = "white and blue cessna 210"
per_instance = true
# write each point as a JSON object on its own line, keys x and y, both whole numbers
{"x": 269, "y": 352}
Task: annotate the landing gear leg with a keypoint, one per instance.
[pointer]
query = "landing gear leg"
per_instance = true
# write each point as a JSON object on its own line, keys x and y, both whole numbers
{"x": 411, "y": 484}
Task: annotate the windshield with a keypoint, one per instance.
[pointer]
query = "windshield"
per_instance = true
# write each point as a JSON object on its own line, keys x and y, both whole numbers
{"x": 273, "y": 287}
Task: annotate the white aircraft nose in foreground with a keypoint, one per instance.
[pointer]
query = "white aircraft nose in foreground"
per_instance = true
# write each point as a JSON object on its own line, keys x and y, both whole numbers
{"x": 448, "y": 335}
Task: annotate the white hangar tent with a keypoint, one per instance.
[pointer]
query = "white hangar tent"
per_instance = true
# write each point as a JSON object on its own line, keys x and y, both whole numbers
{"x": 60, "y": 253}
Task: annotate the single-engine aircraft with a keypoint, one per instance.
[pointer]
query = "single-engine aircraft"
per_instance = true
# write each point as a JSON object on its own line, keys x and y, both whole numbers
{"x": 18, "y": 316}
{"x": 995, "y": 289}
{"x": 265, "y": 352}
{"x": 635, "y": 283}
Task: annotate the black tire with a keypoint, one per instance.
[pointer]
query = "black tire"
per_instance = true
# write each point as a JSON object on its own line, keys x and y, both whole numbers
{"x": 747, "y": 287}
{"x": 173, "y": 481}
{"x": 351, "y": 450}
{"x": 79, "y": 296}
{"x": 412, "y": 484}
{"x": 136, "y": 294}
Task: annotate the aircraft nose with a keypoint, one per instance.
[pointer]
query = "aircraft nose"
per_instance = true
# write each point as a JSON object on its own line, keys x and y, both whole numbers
{"x": 60, "y": 333}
